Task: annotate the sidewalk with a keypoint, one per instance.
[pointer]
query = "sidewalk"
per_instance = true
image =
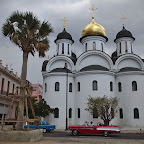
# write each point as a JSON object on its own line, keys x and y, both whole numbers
{"x": 81, "y": 140}
{"x": 132, "y": 130}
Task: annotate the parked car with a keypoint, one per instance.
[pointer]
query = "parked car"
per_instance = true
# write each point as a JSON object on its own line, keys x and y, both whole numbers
{"x": 42, "y": 125}
{"x": 98, "y": 129}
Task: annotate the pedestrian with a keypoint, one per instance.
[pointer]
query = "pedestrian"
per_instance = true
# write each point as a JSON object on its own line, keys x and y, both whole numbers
{"x": 91, "y": 123}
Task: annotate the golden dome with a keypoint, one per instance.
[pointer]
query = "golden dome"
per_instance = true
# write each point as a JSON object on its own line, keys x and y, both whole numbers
{"x": 93, "y": 29}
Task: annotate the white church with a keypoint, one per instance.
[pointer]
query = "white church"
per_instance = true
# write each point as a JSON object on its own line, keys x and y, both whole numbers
{"x": 69, "y": 80}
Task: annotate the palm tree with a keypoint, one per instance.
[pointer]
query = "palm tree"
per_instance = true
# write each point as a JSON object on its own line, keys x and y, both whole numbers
{"x": 26, "y": 31}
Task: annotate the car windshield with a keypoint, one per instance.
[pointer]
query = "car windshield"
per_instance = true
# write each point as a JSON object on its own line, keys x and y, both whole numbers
{"x": 43, "y": 123}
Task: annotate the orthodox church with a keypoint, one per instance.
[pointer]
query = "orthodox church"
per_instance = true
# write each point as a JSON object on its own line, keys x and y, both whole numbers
{"x": 69, "y": 80}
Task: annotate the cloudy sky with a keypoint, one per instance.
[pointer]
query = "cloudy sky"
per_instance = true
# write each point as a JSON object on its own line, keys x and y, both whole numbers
{"x": 78, "y": 14}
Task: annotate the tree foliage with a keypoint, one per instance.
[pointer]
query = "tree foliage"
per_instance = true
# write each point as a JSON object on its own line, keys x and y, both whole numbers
{"x": 103, "y": 107}
{"x": 25, "y": 30}
{"x": 41, "y": 109}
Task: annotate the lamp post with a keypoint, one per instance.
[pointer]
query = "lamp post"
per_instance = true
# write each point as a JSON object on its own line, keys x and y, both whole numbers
{"x": 66, "y": 128}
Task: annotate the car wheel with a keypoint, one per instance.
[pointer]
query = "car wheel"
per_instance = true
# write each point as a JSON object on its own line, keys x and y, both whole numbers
{"x": 75, "y": 132}
{"x": 44, "y": 130}
{"x": 106, "y": 134}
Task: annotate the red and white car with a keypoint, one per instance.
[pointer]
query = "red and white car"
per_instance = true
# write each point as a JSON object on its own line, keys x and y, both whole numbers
{"x": 99, "y": 129}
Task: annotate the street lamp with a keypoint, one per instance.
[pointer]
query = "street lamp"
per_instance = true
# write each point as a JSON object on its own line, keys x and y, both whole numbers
{"x": 66, "y": 128}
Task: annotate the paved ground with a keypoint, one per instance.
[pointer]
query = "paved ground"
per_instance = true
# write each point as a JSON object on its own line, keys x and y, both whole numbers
{"x": 127, "y": 136}
{"x": 60, "y": 136}
{"x": 63, "y": 134}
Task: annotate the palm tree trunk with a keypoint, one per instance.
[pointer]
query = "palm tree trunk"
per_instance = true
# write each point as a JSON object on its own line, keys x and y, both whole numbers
{"x": 22, "y": 92}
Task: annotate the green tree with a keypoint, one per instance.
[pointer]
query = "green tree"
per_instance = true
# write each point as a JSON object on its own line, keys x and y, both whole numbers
{"x": 41, "y": 109}
{"x": 30, "y": 35}
{"x": 30, "y": 115}
{"x": 103, "y": 107}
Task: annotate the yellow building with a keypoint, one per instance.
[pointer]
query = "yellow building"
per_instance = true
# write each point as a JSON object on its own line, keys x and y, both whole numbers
{"x": 8, "y": 83}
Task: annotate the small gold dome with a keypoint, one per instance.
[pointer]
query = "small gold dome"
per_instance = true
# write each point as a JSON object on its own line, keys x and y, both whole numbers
{"x": 93, "y": 29}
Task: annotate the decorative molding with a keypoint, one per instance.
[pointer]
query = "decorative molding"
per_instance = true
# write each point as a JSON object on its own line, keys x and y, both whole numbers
{"x": 89, "y": 38}
{"x": 95, "y": 72}
{"x": 130, "y": 73}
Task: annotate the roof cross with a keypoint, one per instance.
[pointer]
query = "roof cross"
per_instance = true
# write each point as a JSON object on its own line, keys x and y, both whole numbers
{"x": 64, "y": 20}
{"x": 93, "y": 8}
{"x": 123, "y": 18}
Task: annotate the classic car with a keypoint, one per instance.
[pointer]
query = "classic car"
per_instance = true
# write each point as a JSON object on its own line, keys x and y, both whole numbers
{"x": 42, "y": 125}
{"x": 98, "y": 129}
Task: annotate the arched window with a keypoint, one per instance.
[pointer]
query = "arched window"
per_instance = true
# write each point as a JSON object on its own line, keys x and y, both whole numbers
{"x": 134, "y": 86}
{"x": 120, "y": 48}
{"x": 111, "y": 86}
{"x": 86, "y": 47}
{"x": 119, "y": 87}
{"x": 57, "y": 85}
{"x": 136, "y": 113}
{"x": 13, "y": 88}
{"x": 94, "y": 46}
{"x": 68, "y": 48}
{"x": 70, "y": 87}
{"x": 121, "y": 113}
{"x": 56, "y": 113}
{"x": 131, "y": 48}
{"x": 102, "y": 46}
{"x": 78, "y": 86}
{"x": 70, "y": 113}
{"x": 126, "y": 50}
{"x": 95, "y": 85}
{"x": 62, "y": 48}
{"x": 2, "y": 86}
{"x": 95, "y": 113}
{"x": 8, "y": 86}
{"x": 45, "y": 87}
{"x": 57, "y": 49}
{"x": 78, "y": 112}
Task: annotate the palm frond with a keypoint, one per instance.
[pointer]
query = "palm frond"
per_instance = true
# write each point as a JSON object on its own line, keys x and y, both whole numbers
{"x": 45, "y": 29}
{"x": 8, "y": 29}
{"x": 32, "y": 22}
{"x": 26, "y": 31}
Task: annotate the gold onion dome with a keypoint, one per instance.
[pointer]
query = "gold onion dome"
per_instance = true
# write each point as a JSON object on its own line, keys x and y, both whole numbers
{"x": 93, "y": 29}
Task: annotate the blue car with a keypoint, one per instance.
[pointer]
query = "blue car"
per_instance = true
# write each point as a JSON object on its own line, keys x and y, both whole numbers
{"x": 42, "y": 125}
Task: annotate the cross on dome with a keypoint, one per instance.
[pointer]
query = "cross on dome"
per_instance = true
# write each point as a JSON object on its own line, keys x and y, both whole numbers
{"x": 64, "y": 20}
{"x": 92, "y": 9}
{"x": 123, "y": 18}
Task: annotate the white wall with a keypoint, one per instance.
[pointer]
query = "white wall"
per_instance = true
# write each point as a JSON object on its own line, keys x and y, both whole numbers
{"x": 57, "y": 99}
{"x": 99, "y": 41}
{"x": 86, "y": 90}
{"x": 128, "y": 99}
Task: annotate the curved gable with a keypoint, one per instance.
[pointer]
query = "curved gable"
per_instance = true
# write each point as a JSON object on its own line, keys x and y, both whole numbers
{"x": 59, "y": 62}
{"x": 129, "y": 60}
{"x": 94, "y": 58}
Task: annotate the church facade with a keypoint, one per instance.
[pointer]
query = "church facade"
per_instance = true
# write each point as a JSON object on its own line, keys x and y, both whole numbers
{"x": 69, "y": 80}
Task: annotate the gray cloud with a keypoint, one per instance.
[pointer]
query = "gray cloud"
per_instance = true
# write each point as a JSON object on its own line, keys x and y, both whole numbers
{"x": 78, "y": 14}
